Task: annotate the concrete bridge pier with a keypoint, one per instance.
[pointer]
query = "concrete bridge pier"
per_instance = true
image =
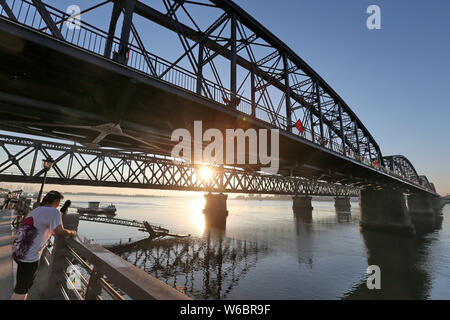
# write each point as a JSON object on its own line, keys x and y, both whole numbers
{"x": 424, "y": 211}
{"x": 437, "y": 204}
{"x": 342, "y": 204}
{"x": 302, "y": 207}
{"x": 343, "y": 208}
{"x": 215, "y": 210}
{"x": 421, "y": 205}
{"x": 385, "y": 210}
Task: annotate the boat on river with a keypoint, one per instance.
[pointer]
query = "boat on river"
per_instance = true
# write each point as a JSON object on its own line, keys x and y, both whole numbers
{"x": 95, "y": 209}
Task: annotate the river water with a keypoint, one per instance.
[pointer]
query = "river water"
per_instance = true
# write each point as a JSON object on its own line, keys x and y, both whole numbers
{"x": 267, "y": 253}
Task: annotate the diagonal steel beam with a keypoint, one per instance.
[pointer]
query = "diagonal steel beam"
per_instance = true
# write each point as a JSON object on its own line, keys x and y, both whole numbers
{"x": 210, "y": 30}
{"x": 8, "y": 10}
{"x": 126, "y": 29}
{"x": 66, "y": 18}
{"x": 158, "y": 17}
{"x": 144, "y": 52}
{"x": 47, "y": 19}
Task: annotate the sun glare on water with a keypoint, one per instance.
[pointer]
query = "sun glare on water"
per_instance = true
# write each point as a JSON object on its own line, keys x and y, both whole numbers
{"x": 198, "y": 218}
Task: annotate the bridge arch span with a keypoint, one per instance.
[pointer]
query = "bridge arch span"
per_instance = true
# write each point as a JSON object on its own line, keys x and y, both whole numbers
{"x": 401, "y": 166}
{"x": 234, "y": 60}
{"x": 426, "y": 183}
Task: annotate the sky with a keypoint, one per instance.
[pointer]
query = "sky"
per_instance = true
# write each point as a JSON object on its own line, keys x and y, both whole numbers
{"x": 395, "y": 79}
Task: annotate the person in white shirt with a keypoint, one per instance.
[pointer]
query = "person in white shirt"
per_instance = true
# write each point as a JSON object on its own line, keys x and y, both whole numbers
{"x": 31, "y": 239}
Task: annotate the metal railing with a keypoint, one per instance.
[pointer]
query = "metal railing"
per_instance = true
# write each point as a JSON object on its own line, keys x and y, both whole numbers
{"x": 88, "y": 271}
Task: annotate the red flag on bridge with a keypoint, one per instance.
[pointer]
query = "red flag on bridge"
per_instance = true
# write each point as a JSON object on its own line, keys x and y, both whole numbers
{"x": 299, "y": 126}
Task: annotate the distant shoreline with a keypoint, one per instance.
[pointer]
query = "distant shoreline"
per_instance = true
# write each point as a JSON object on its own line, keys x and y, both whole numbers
{"x": 113, "y": 195}
{"x": 238, "y": 197}
{"x": 286, "y": 197}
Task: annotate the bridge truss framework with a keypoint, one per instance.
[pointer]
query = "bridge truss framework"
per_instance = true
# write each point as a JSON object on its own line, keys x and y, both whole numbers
{"x": 20, "y": 161}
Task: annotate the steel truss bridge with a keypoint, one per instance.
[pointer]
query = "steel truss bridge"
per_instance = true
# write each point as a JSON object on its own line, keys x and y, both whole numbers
{"x": 102, "y": 82}
{"x": 77, "y": 165}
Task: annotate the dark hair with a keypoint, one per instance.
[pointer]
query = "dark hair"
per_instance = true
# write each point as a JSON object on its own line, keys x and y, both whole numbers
{"x": 51, "y": 197}
{"x": 65, "y": 206}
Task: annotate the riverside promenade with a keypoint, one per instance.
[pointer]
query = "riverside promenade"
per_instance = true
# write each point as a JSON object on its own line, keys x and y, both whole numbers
{"x": 6, "y": 262}
{"x": 105, "y": 276}
{"x": 8, "y": 266}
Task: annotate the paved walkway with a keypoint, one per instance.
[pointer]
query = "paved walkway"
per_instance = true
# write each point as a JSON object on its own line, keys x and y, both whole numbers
{"x": 6, "y": 262}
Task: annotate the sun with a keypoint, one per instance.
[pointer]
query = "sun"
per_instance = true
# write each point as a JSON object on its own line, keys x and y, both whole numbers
{"x": 205, "y": 173}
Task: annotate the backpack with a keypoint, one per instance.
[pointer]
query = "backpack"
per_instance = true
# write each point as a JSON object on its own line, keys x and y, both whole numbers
{"x": 24, "y": 239}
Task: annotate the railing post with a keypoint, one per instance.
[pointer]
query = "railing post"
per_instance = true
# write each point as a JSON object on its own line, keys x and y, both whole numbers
{"x": 200, "y": 68}
{"x": 330, "y": 136}
{"x": 311, "y": 119}
{"x": 112, "y": 28}
{"x": 94, "y": 287}
{"x": 253, "y": 95}
{"x": 126, "y": 29}
{"x": 319, "y": 107}
{"x": 287, "y": 93}
{"x": 57, "y": 259}
{"x": 233, "y": 61}
{"x": 341, "y": 127}
{"x": 357, "y": 139}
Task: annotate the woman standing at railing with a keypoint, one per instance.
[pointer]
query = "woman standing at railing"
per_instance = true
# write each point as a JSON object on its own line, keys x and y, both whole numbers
{"x": 31, "y": 239}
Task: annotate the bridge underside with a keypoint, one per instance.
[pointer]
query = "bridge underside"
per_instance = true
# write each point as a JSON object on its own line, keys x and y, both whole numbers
{"x": 51, "y": 89}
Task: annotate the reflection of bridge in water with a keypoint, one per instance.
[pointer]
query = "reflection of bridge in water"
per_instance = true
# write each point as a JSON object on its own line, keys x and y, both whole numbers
{"x": 204, "y": 268}
{"x": 403, "y": 261}
{"x": 211, "y": 267}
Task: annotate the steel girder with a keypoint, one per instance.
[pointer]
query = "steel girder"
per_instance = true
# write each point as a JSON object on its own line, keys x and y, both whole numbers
{"x": 267, "y": 80}
{"x": 75, "y": 165}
